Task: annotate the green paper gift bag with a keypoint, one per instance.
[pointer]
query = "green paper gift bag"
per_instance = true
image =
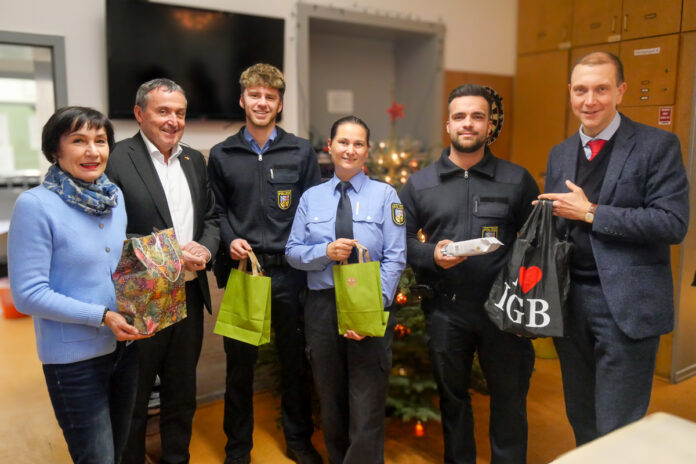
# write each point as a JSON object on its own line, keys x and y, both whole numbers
{"x": 245, "y": 311}
{"x": 359, "y": 304}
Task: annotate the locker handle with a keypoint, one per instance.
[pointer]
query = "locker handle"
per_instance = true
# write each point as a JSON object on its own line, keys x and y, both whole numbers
{"x": 613, "y": 24}
{"x": 625, "y": 22}
{"x": 650, "y": 16}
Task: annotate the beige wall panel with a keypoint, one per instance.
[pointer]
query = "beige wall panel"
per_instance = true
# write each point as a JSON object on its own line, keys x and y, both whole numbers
{"x": 650, "y": 67}
{"x": 541, "y": 99}
{"x": 501, "y": 84}
{"x": 543, "y": 25}
{"x": 645, "y": 18}
{"x": 596, "y": 21}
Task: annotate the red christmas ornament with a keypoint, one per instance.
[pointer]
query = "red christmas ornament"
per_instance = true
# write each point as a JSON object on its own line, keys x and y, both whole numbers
{"x": 396, "y": 111}
{"x": 401, "y": 330}
{"x": 401, "y": 298}
{"x": 419, "y": 429}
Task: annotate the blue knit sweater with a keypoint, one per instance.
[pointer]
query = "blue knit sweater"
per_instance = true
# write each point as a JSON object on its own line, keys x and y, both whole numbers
{"x": 60, "y": 264}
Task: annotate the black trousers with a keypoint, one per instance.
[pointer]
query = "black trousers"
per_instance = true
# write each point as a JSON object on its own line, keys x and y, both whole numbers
{"x": 456, "y": 329}
{"x": 351, "y": 378}
{"x": 607, "y": 376}
{"x": 173, "y": 354}
{"x": 286, "y": 319}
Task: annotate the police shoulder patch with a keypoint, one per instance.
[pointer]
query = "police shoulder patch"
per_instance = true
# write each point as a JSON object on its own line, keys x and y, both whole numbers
{"x": 398, "y": 214}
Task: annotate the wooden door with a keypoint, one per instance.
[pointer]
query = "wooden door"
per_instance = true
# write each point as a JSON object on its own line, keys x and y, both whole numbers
{"x": 543, "y": 25}
{"x": 541, "y": 99}
{"x": 684, "y": 353}
{"x": 573, "y": 123}
{"x": 645, "y": 18}
{"x": 596, "y": 21}
{"x": 650, "y": 67}
{"x": 661, "y": 117}
{"x": 685, "y": 91}
{"x": 689, "y": 16}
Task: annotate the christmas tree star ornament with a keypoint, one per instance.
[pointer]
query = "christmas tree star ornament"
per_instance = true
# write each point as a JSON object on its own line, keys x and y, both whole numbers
{"x": 396, "y": 111}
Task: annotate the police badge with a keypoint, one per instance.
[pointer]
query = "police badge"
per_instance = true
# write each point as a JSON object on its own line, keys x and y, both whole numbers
{"x": 284, "y": 198}
{"x": 490, "y": 232}
{"x": 398, "y": 214}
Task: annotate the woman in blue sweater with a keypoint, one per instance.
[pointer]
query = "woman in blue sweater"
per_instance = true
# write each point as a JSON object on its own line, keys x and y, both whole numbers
{"x": 65, "y": 241}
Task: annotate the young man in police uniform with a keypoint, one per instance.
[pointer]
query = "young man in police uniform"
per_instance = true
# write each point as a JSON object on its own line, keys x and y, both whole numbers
{"x": 258, "y": 176}
{"x": 469, "y": 193}
{"x": 620, "y": 190}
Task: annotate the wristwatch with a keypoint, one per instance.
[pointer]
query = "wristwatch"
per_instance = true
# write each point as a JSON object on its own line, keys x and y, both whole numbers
{"x": 589, "y": 215}
{"x": 103, "y": 321}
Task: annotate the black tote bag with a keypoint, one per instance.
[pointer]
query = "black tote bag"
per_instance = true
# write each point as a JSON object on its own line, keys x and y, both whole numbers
{"x": 528, "y": 297}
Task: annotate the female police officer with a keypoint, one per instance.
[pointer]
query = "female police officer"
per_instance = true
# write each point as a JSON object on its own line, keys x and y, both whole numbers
{"x": 350, "y": 371}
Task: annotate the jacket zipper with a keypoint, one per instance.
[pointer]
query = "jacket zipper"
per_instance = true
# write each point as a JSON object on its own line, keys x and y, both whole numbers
{"x": 263, "y": 201}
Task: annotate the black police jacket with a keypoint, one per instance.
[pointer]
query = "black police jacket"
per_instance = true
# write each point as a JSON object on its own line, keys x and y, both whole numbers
{"x": 491, "y": 199}
{"x": 256, "y": 196}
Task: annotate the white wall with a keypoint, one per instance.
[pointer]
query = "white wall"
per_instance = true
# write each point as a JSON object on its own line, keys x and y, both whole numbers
{"x": 480, "y": 38}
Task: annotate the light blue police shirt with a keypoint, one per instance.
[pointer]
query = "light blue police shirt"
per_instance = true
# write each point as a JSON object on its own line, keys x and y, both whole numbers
{"x": 378, "y": 224}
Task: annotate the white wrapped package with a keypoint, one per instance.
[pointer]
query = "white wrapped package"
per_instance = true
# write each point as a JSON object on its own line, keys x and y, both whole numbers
{"x": 477, "y": 246}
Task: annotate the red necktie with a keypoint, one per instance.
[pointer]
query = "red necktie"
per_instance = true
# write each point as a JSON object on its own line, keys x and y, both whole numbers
{"x": 595, "y": 147}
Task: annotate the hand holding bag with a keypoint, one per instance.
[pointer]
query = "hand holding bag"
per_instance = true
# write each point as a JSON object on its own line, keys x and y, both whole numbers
{"x": 528, "y": 297}
{"x": 149, "y": 281}
{"x": 245, "y": 311}
{"x": 359, "y": 303}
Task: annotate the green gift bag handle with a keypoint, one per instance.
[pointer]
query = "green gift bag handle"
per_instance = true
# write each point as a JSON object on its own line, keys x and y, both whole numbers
{"x": 255, "y": 266}
{"x": 362, "y": 250}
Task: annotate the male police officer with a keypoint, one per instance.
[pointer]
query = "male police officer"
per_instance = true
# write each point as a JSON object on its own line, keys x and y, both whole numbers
{"x": 258, "y": 176}
{"x": 621, "y": 192}
{"x": 469, "y": 193}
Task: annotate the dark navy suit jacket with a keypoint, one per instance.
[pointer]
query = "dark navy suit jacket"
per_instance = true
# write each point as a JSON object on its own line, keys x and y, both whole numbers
{"x": 643, "y": 208}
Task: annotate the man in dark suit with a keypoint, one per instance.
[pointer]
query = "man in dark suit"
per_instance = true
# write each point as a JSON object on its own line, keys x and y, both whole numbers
{"x": 621, "y": 192}
{"x": 165, "y": 185}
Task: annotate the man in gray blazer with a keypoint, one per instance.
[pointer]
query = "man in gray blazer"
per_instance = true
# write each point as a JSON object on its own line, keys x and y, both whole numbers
{"x": 621, "y": 193}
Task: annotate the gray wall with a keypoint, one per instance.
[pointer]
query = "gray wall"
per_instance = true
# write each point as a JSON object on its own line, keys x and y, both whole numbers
{"x": 363, "y": 65}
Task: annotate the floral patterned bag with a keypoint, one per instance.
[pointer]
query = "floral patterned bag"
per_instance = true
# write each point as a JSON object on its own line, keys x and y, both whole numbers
{"x": 149, "y": 281}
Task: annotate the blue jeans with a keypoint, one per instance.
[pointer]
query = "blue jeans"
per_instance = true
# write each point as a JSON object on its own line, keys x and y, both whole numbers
{"x": 93, "y": 402}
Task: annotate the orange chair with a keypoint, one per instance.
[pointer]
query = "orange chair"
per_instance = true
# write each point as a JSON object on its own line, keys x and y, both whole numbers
{"x": 6, "y": 302}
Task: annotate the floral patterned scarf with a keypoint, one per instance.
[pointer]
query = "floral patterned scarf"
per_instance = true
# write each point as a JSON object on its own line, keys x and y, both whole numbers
{"x": 95, "y": 198}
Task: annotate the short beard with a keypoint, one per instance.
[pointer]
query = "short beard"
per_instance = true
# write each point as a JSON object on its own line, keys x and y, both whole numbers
{"x": 470, "y": 149}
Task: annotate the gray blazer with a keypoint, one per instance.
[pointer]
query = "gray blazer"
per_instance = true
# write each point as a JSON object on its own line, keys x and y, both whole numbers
{"x": 643, "y": 209}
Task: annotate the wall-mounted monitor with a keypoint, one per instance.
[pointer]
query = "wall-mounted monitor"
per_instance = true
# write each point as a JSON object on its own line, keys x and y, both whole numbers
{"x": 204, "y": 51}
